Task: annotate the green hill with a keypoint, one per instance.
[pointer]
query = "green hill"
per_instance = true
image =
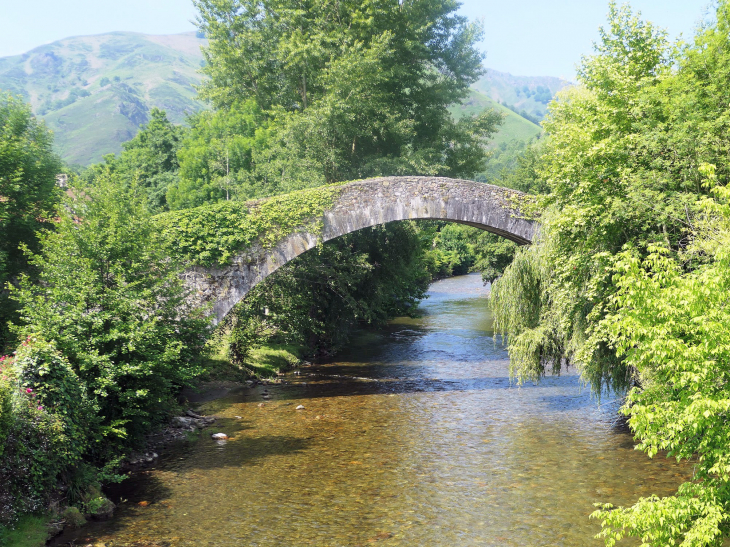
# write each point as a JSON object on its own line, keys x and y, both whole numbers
{"x": 522, "y": 99}
{"x": 95, "y": 91}
{"x": 528, "y": 93}
{"x": 515, "y": 127}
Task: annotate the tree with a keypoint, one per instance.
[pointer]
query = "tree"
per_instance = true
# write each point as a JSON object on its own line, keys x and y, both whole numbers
{"x": 217, "y": 158}
{"x": 352, "y": 89}
{"x": 28, "y": 192}
{"x": 597, "y": 164}
{"x": 110, "y": 300}
{"x": 629, "y": 277}
{"x": 149, "y": 160}
{"x": 673, "y": 328}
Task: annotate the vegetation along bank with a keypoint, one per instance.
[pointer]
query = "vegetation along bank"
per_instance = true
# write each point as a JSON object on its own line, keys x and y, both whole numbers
{"x": 627, "y": 281}
{"x": 99, "y": 341}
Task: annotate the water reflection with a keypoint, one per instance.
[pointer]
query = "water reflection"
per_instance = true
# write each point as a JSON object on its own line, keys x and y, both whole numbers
{"x": 414, "y": 436}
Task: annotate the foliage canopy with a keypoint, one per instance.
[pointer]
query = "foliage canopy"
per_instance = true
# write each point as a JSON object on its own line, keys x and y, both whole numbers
{"x": 629, "y": 278}
{"x": 28, "y": 192}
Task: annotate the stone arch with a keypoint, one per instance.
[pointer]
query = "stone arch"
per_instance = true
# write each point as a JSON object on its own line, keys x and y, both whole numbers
{"x": 362, "y": 204}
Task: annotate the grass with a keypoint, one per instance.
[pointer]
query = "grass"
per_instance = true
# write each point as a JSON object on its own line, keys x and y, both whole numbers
{"x": 269, "y": 359}
{"x": 31, "y": 531}
{"x": 264, "y": 361}
{"x": 515, "y": 127}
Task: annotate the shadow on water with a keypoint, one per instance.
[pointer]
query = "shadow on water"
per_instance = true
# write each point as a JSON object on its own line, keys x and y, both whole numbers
{"x": 145, "y": 488}
{"x": 325, "y": 386}
{"x": 240, "y": 452}
{"x": 413, "y": 435}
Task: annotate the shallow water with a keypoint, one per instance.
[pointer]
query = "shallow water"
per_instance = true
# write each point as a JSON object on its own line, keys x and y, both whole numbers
{"x": 413, "y": 436}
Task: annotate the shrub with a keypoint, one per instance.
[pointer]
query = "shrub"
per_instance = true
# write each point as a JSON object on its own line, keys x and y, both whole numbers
{"x": 42, "y": 371}
{"x": 6, "y": 403}
{"x": 112, "y": 302}
{"x": 45, "y": 421}
{"x": 36, "y": 452}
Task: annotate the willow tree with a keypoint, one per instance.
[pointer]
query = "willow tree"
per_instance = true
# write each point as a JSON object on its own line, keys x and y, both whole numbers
{"x": 614, "y": 179}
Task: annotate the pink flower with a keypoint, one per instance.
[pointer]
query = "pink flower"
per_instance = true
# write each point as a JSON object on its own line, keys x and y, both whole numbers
{"x": 40, "y": 408}
{"x": 28, "y": 390}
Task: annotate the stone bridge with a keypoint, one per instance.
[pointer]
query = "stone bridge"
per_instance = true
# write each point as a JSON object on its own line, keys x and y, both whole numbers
{"x": 363, "y": 204}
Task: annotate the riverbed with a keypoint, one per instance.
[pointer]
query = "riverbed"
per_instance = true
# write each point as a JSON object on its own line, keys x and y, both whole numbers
{"x": 414, "y": 436}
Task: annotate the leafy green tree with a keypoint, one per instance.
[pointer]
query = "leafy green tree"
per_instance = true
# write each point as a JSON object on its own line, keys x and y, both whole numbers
{"x": 629, "y": 276}
{"x": 110, "y": 300}
{"x": 149, "y": 160}
{"x": 354, "y": 88}
{"x": 517, "y": 165}
{"x": 217, "y": 158}
{"x": 455, "y": 249}
{"x": 493, "y": 255}
{"x": 281, "y": 53}
{"x": 673, "y": 328}
{"x": 28, "y": 192}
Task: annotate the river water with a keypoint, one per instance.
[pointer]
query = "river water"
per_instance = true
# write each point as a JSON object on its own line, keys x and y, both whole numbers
{"x": 414, "y": 436}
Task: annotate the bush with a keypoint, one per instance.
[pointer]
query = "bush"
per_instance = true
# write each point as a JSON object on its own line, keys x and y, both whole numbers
{"x": 37, "y": 451}
{"x": 112, "y": 302}
{"x": 41, "y": 369}
{"x": 45, "y": 419}
{"x": 6, "y": 403}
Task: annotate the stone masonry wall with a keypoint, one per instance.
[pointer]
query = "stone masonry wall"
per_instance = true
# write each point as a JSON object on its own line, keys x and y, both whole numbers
{"x": 362, "y": 204}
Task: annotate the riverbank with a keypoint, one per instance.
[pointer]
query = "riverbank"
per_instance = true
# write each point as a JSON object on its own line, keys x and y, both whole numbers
{"x": 219, "y": 379}
{"x": 412, "y": 435}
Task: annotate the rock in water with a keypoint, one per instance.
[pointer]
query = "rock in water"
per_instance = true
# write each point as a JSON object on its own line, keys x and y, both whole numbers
{"x": 219, "y": 436}
{"x": 300, "y": 407}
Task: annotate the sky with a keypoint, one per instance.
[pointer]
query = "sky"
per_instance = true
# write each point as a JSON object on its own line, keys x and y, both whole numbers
{"x": 523, "y": 37}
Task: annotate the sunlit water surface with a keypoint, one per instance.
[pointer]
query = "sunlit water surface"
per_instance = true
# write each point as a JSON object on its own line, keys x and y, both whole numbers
{"x": 413, "y": 436}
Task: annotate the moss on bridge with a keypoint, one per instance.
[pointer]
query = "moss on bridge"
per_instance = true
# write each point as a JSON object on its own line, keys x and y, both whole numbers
{"x": 211, "y": 235}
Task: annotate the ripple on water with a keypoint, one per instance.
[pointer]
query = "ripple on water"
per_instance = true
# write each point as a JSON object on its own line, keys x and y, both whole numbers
{"x": 413, "y": 436}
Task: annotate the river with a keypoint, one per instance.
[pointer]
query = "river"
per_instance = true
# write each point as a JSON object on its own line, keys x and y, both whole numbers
{"x": 413, "y": 436}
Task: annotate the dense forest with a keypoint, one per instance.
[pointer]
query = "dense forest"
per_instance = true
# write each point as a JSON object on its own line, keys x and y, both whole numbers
{"x": 627, "y": 281}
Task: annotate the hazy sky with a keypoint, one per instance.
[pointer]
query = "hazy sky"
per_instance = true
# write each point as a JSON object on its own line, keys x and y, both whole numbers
{"x": 524, "y": 37}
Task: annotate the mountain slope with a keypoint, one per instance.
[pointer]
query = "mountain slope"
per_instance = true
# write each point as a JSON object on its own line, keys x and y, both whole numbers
{"x": 95, "y": 91}
{"x": 515, "y": 127}
{"x": 528, "y": 93}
